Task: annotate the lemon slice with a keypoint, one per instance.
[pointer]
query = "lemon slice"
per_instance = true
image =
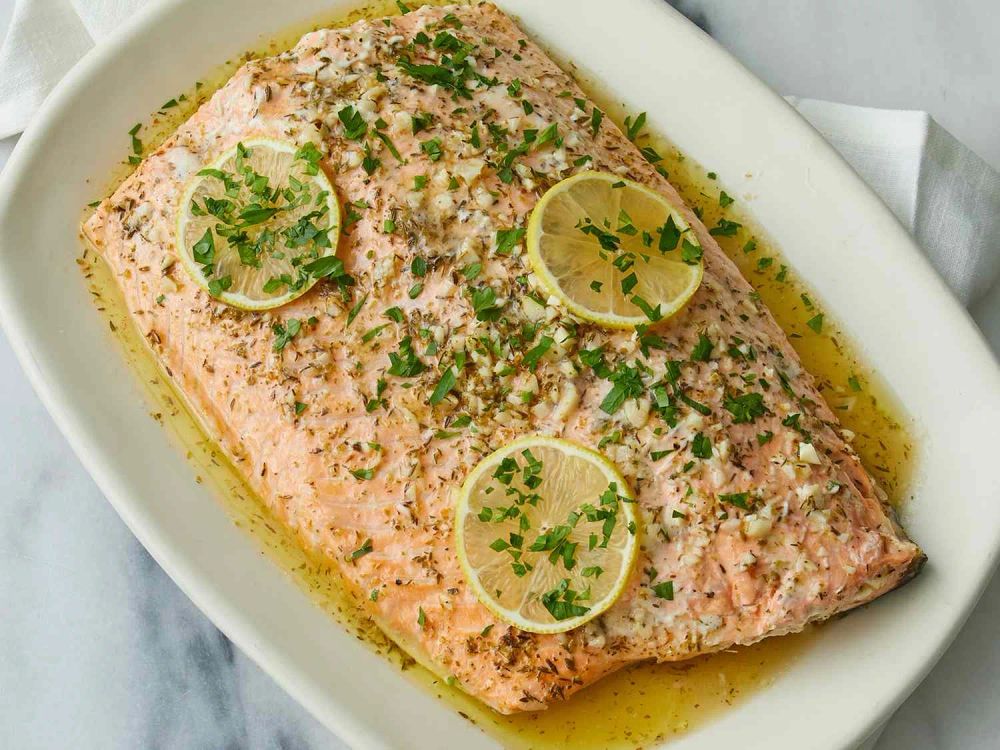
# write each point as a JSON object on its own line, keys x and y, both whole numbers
{"x": 614, "y": 251}
{"x": 258, "y": 226}
{"x": 546, "y": 533}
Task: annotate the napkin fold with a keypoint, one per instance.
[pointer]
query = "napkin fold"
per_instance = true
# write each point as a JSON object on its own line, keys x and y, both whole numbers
{"x": 941, "y": 191}
{"x": 44, "y": 40}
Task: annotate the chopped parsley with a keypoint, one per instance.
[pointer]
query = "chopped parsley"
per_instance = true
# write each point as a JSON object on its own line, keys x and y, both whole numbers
{"x": 633, "y": 127}
{"x": 746, "y": 407}
{"x": 626, "y": 383}
{"x": 373, "y": 333}
{"x": 363, "y": 550}
{"x": 701, "y": 446}
{"x": 484, "y": 303}
{"x": 739, "y": 499}
{"x": 507, "y": 239}
{"x": 725, "y": 228}
{"x": 432, "y": 148}
{"x": 136, "y": 143}
{"x": 448, "y": 380}
{"x": 355, "y": 127}
{"x": 405, "y": 363}
{"x": 534, "y": 355}
{"x": 664, "y": 590}
{"x": 562, "y": 601}
{"x": 550, "y": 134}
{"x": 596, "y": 117}
{"x": 670, "y": 235}
{"x": 690, "y": 252}
{"x": 389, "y": 145}
{"x": 283, "y": 334}
{"x": 219, "y": 285}
{"x": 370, "y": 163}
{"x": 702, "y": 351}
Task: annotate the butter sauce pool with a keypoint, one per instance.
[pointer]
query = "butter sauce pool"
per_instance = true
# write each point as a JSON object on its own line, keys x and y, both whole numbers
{"x": 638, "y": 706}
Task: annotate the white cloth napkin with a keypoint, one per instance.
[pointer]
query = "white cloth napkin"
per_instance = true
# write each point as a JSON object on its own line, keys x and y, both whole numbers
{"x": 942, "y": 192}
{"x": 44, "y": 40}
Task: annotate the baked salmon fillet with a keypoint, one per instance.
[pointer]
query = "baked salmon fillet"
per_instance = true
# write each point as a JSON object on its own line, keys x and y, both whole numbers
{"x": 778, "y": 525}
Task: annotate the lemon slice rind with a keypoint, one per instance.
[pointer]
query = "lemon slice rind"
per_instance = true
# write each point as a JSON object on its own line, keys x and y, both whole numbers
{"x": 675, "y": 281}
{"x": 470, "y": 530}
{"x": 185, "y": 219}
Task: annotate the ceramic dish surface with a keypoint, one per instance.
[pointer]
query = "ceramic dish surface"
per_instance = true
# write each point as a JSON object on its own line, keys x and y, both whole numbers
{"x": 832, "y": 228}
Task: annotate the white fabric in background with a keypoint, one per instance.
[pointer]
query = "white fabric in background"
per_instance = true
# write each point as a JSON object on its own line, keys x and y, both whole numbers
{"x": 45, "y": 39}
{"x": 943, "y": 193}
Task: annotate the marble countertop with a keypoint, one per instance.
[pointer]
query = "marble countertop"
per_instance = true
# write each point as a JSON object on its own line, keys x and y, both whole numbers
{"x": 99, "y": 648}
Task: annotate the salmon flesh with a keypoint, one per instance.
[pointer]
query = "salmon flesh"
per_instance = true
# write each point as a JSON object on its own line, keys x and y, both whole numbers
{"x": 776, "y": 526}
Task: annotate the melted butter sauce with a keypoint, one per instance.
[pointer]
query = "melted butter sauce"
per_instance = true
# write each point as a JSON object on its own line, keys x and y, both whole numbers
{"x": 641, "y": 705}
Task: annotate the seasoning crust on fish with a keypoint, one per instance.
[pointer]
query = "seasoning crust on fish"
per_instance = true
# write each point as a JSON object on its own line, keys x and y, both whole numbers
{"x": 775, "y": 525}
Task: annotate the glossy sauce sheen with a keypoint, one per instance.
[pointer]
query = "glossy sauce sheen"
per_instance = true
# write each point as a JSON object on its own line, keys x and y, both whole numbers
{"x": 638, "y": 704}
